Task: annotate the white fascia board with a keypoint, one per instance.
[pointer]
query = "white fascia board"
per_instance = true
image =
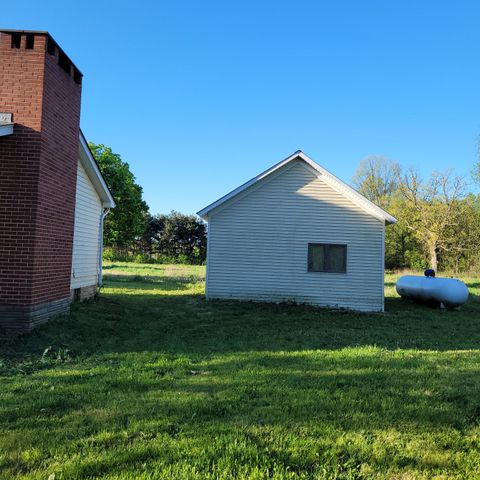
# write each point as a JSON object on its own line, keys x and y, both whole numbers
{"x": 94, "y": 174}
{"x": 331, "y": 179}
{"x": 6, "y": 129}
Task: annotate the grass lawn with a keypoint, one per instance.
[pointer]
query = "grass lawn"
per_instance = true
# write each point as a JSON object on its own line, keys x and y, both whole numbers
{"x": 152, "y": 382}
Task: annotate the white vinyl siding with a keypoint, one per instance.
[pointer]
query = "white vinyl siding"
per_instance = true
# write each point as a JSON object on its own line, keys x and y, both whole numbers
{"x": 88, "y": 210}
{"x": 258, "y": 244}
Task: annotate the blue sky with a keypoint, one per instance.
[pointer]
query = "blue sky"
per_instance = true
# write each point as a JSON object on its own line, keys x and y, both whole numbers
{"x": 198, "y": 97}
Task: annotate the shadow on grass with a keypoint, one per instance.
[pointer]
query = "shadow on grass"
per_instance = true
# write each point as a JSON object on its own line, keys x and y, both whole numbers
{"x": 297, "y": 410}
{"x": 425, "y": 390}
{"x": 137, "y": 380}
{"x": 141, "y": 320}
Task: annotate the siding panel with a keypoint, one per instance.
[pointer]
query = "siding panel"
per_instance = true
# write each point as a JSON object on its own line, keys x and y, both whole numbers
{"x": 88, "y": 210}
{"x": 258, "y": 244}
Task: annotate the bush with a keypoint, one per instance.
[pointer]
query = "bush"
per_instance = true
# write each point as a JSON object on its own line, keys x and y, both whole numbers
{"x": 113, "y": 255}
{"x": 175, "y": 237}
{"x": 142, "y": 258}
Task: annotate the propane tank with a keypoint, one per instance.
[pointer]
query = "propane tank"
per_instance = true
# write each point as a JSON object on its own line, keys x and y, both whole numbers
{"x": 448, "y": 292}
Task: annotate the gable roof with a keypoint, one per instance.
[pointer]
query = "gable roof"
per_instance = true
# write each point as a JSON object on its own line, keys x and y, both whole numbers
{"x": 94, "y": 174}
{"x": 337, "y": 184}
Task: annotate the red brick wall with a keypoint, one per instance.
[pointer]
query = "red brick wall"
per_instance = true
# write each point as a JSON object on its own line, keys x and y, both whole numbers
{"x": 57, "y": 184}
{"x": 38, "y": 174}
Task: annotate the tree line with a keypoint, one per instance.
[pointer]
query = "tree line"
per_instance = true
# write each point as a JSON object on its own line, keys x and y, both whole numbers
{"x": 438, "y": 219}
{"x": 131, "y": 233}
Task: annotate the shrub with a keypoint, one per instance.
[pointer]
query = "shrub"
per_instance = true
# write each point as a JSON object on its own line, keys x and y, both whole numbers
{"x": 113, "y": 255}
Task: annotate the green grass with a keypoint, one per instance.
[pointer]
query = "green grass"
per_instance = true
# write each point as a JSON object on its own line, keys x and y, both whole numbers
{"x": 150, "y": 381}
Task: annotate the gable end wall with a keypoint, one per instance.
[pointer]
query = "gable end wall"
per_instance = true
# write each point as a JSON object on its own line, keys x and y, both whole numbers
{"x": 258, "y": 245}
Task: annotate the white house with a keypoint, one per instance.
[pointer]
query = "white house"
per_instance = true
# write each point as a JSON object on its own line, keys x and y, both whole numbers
{"x": 93, "y": 202}
{"x": 297, "y": 233}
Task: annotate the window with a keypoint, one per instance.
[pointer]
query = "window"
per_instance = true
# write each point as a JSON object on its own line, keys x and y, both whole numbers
{"x": 326, "y": 257}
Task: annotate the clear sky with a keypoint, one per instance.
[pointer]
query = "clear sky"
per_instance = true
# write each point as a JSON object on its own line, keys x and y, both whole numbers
{"x": 198, "y": 97}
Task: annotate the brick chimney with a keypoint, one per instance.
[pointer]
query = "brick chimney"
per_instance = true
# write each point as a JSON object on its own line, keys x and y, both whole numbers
{"x": 40, "y": 89}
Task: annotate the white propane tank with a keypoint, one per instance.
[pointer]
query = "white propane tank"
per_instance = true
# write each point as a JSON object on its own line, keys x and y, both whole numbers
{"x": 450, "y": 292}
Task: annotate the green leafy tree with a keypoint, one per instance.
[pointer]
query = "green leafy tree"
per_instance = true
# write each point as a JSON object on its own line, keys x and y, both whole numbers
{"x": 126, "y": 222}
{"x": 437, "y": 225}
{"x": 377, "y": 179}
{"x": 177, "y": 236}
{"x": 435, "y": 211}
{"x": 402, "y": 249}
{"x": 460, "y": 252}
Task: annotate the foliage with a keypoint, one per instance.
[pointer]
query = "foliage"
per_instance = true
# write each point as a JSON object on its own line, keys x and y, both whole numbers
{"x": 127, "y": 220}
{"x": 433, "y": 210}
{"x": 377, "y": 179}
{"x": 158, "y": 383}
{"x": 438, "y": 224}
{"x": 402, "y": 249}
{"x": 115, "y": 255}
{"x": 175, "y": 236}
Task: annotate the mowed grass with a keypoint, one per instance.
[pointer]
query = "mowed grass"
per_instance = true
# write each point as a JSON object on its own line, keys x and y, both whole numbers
{"x": 150, "y": 381}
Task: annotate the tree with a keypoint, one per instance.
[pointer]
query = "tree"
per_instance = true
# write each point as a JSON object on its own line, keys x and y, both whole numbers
{"x": 126, "y": 222}
{"x": 176, "y": 235}
{"x": 433, "y": 211}
{"x": 462, "y": 239}
{"x": 476, "y": 167}
{"x": 402, "y": 249}
{"x": 377, "y": 179}
{"x": 437, "y": 224}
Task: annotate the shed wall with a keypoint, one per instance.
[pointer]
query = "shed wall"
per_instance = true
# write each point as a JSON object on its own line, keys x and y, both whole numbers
{"x": 258, "y": 244}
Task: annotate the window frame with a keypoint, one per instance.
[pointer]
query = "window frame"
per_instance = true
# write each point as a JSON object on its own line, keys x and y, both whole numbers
{"x": 326, "y": 246}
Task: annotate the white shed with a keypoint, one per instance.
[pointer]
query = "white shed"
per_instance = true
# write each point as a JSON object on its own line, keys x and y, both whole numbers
{"x": 93, "y": 201}
{"x": 297, "y": 233}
